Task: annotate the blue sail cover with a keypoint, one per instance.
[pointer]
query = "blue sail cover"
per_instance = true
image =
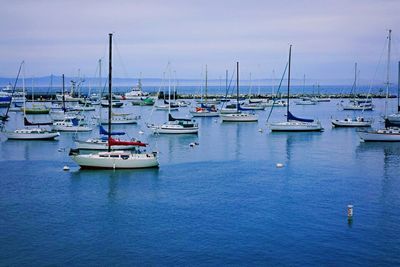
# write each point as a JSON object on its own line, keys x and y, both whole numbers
{"x": 290, "y": 117}
{"x": 103, "y": 131}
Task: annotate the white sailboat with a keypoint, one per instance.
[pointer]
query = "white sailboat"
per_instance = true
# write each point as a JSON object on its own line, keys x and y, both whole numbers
{"x": 238, "y": 116}
{"x": 387, "y": 134}
{"x": 114, "y": 159}
{"x": 363, "y": 104}
{"x": 35, "y": 131}
{"x": 292, "y": 123}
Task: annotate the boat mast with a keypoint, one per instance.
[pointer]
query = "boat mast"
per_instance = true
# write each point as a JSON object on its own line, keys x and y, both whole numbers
{"x": 288, "y": 84}
{"x": 23, "y": 89}
{"x": 355, "y": 80}
{"x": 206, "y": 86}
{"x": 100, "y": 90}
{"x": 398, "y": 89}
{"x": 388, "y": 70}
{"x": 109, "y": 89}
{"x": 63, "y": 93}
{"x": 237, "y": 87}
{"x": 169, "y": 90}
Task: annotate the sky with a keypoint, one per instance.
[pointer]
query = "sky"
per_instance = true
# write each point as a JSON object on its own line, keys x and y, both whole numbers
{"x": 328, "y": 37}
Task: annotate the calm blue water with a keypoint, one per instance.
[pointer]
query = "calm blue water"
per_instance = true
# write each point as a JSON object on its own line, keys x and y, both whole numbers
{"x": 220, "y": 203}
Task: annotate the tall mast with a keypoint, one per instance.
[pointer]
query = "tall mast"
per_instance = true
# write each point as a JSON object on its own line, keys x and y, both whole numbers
{"x": 206, "y": 85}
{"x": 355, "y": 79}
{"x": 63, "y": 93}
{"x": 288, "y": 84}
{"x": 398, "y": 89}
{"x": 23, "y": 89}
{"x": 109, "y": 89}
{"x": 388, "y": 71}
{"x": 226, "y": 80}
{"x": 237, "y": 86}
{"x": 100, "y": 87}
{"x": 169, "y": 89}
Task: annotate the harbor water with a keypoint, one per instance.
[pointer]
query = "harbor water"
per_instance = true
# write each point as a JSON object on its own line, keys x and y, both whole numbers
{"x": 221, "y": 202}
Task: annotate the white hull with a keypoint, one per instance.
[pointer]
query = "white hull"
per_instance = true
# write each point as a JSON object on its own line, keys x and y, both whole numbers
{"x": 65, "y": 128}
{"x": 228, "y": 111}
{"x": 344, "y": 123}
{"x": 134, "y": 161}
{"x": 355, "y": 107}
{"x": 32, "y": 136}
{"x": 170, "y": 130}
{"x": 380, "y": 136}
{"x": 239, "y": 117}
{"x": 294, "y": 126}
{"x": 165, "y": 107}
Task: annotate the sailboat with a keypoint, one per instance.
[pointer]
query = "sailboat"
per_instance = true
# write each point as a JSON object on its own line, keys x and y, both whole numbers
{"x": 205, "y": 109}
{"x": 114, "y": 159}
{"x": 363, "y": 104}
{"x": 387, "y": 134}
{"x": 252, "y": 105}
{"x": 358, "y": 121}
{"x": 175, "y": 125}
{"x": 36, "y": 133}
{"x": 292, "y": 123}
{"x": 238, "y": 116}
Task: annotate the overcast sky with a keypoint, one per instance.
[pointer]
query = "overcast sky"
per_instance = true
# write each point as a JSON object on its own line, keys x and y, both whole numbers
{"x": 327, "y": 36}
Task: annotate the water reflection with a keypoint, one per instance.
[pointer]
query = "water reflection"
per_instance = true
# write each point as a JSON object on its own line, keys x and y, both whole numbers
{"x": 111, "y": 181}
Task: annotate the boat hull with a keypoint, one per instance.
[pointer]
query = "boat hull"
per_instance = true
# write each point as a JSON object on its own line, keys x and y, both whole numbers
{"x": 339, "y": 123}
{"x": 31, "y": 136}
{"x": 241, "y": 117}
{"x": 296, "y": 127}
{"x": 379, "y": 137}
{"x": 136, "y": 161}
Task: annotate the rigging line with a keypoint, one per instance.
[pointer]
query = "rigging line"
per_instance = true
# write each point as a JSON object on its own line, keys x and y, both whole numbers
{"x": 277, "y": 91}
{"x": 12, "y": 94}
{"x": 229, "y": 86}
{"x": 125, "y": 73}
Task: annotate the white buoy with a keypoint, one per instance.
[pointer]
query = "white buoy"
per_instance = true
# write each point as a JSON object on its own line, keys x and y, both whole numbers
{"x": 66, "y": 168}
{"x": 192, "y": 144}
{"x": 279, "y": 165}
{"x": 260, "y": 130}
{"x": 61, "y": 149}
{"x": 350, "y": 212}
{"x": 141, "y": 132}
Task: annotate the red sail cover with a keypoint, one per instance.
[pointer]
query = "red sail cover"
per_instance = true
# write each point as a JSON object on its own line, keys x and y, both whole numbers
{"x": 114, "y": 142}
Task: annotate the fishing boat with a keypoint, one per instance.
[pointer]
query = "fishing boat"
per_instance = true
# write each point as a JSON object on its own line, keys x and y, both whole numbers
{"x": 352, "y": 122}
{"x": 389, "y": 133}
{"x": 305, "y": 101}
{"x": 205, "y": 109}
{"x": 292, "y": 123}
{"x": 238, "y": 116}
{"x": 137, "y": 93}
{"x": 114, "y": 159}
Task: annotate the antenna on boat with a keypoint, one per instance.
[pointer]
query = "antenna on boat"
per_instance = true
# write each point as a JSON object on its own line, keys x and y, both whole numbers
{"x": 288, "y": 84}
{"x": 109, "y": 89}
